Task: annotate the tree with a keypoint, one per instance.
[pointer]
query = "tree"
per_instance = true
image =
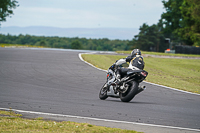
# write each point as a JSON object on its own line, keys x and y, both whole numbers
{"x": 190, "y": 10}
{"x": 91, "y": 45}
{"x": 42, "y": 43}
{"x": 182, "y": 21}
{"x": 172, "y": 18}
{"x": 149, "y": 38}
{"x": 76, "y": 45}
{"x": 6, "y": 7}
{"x": 143, "y": 41}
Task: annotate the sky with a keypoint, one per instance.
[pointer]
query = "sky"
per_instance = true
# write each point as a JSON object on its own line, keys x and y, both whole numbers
{"x": 85, "y": 13}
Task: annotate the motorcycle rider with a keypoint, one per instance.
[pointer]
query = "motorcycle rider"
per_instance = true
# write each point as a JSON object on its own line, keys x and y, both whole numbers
{"x": 135, "y": 61}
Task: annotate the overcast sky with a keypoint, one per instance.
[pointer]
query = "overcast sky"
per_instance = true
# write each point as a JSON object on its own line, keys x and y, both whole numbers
{"x": 86, "y": 13}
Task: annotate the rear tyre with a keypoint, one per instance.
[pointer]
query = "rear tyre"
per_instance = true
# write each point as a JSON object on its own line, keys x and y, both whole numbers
{"x": 130, "y": 93}
{"x": 103, "y": 92}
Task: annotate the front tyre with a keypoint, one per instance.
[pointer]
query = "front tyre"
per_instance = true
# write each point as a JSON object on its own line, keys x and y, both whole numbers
{"x": 130, "y": 93}
{"x": 103, "y": 92}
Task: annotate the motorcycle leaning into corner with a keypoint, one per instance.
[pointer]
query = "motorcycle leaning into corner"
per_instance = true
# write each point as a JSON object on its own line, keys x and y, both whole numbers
{"x": 127, "y": 87}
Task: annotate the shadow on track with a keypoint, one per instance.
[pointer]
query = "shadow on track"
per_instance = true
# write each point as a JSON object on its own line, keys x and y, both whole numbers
{"x": 131, "y": 102}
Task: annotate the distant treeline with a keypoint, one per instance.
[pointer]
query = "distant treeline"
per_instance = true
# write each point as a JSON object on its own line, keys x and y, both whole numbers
{"x": 66, "y": 43}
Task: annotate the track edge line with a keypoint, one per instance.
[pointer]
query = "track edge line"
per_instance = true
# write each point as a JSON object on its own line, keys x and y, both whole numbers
{"x": 98, "y": 119}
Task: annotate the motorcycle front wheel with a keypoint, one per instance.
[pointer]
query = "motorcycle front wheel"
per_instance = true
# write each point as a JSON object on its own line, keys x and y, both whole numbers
{"x": 103, "y": 92}
{"x": 130, "y": 93}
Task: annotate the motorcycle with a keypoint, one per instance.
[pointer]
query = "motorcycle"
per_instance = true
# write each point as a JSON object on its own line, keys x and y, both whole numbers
{"x": 127, "y": 87}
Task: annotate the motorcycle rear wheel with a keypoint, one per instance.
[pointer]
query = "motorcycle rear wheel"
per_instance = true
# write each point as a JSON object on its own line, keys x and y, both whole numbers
{"x": 130, "y": 93}
{"x": 103, "y": 92}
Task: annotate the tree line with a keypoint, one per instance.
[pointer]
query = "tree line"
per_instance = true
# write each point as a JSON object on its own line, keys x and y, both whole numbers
{"x": 180, "y": 24}
{"x": 103, "y": 44}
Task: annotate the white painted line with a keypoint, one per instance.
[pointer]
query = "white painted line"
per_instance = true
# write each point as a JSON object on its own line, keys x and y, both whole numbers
{"x": 88, "y": 62}
{"x": 143, "y": 81}
{"x": 98, "y": 119}
{"x": 172, "y": 88}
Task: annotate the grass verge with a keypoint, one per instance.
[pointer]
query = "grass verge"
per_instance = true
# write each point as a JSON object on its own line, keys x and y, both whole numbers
{"x": 183, "y": 74}
{"x": 19, "y": 46}
{"x": 11, "y": 122}
{"x": 161, "y": 54}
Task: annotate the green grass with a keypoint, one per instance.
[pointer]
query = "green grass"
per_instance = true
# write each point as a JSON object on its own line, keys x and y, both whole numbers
{"x": 20, "y": 46}
{"x": 183, "y": 74}
{"x": 9, "y": 113}
{"x": 14, "y": 123}
{"x": 161, "y": 54}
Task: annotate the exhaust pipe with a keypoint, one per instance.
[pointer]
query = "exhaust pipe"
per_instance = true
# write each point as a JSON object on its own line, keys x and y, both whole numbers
{"x": 140, "y": 89}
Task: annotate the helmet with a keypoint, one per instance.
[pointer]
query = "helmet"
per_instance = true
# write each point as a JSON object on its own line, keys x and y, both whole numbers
{"x": 136, "y": 52}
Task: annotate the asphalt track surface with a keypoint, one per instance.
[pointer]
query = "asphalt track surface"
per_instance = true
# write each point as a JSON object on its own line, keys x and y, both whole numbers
{"x": 58, "y": 82}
